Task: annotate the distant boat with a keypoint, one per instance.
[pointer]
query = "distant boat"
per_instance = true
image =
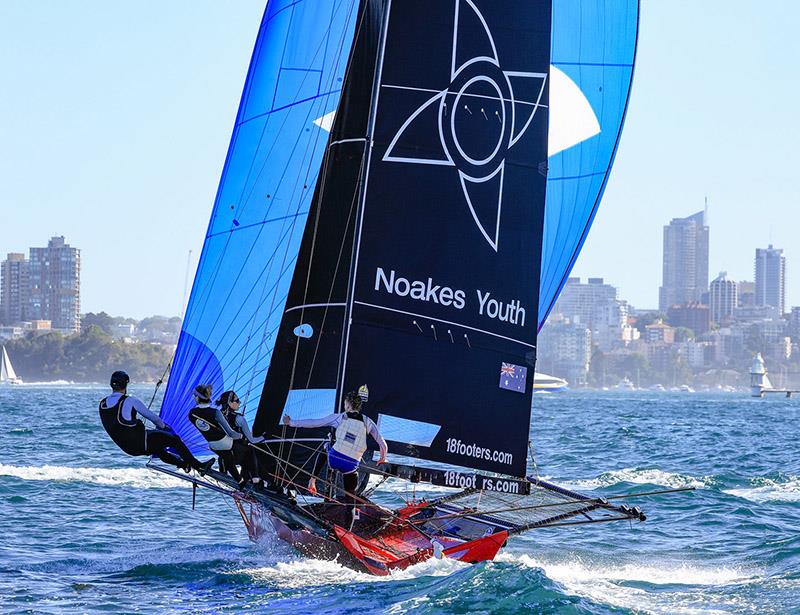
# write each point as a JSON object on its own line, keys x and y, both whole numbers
{"x": 625, "y": 385}
{"x": 542, "y": 383}
{"x": 760, "y": 382}
{"x": 7, "y": 373}
{"x": 658, "y": 387}
{"x": 685, "y": 388}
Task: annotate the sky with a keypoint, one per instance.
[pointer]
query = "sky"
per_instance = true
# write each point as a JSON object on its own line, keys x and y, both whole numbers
{"x": 115, "y": 119}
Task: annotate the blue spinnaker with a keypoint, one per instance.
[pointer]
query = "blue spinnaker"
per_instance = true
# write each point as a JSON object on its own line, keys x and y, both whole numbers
{"x": 594, "y": 46}
{"x": 276, "y": 150}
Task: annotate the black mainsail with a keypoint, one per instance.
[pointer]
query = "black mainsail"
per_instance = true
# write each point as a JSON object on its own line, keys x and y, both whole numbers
{"x": 418, "y": 270}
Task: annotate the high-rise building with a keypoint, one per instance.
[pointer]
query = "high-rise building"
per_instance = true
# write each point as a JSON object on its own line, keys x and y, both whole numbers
{"x": 685, "y": 264}
{"x": 724, "y": 297}
{"x": 771, "y": 278}
{"x": 565, "y": 348}
{"x": 55, "y": 285}
{"x": 747, "y": 294}
{"x": 694, "y": 316}
{"x": 13, "y": 289}
{"x": 579, "y": 302}
{"x": 595, "y": 305}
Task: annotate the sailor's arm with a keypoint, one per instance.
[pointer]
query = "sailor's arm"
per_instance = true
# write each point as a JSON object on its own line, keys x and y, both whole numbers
{"x": 222, "y": 422}
{"x": 372, "y": 429}
{"x": 138, "y": 405}
{"x": 242, "y": 423}
{"x": 332, "y": 420}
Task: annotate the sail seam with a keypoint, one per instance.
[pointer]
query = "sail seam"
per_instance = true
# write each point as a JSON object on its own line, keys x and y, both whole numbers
{"x": 447, "y": 322}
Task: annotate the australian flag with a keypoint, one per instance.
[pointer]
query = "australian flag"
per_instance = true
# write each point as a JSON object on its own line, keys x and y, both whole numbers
{"x": 513, "y": 377}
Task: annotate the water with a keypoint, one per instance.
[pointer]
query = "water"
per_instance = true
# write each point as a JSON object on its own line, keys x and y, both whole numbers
{"x": 87, "y": 529}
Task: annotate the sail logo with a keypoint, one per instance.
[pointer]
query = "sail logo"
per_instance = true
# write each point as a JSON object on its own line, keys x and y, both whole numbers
{"x": 417, "y": 289}
{"x": 479, "y": 116}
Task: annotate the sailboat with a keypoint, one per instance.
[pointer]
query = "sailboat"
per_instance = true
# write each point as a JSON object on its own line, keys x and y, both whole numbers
{"x": 407, "y": 187}
{"x": 7, "y": 373}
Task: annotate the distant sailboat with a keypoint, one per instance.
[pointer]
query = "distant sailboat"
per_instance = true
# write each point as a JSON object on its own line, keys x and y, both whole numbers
{"x": 7, "y": 373}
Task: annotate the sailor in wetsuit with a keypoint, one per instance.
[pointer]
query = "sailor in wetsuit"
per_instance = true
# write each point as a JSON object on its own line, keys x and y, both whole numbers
{"x": 119, "y": 415}
{"x": 244, "y": 454}
{"x": 350, "y": 443}
{"x": 220, "y": 436}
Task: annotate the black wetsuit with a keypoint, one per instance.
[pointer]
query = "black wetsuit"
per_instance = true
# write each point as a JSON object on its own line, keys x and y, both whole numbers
{"x": 133, "y": 438}
{"x": 205, "y": 419}
{"x": 244, "y": 454}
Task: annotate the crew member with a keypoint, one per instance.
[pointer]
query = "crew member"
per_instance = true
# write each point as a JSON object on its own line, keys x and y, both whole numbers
{"x": 345, "y": 452}
{"x": 215, "y": 429}
{"x": 119, "y": 415}
{"x": 244, "y": 454}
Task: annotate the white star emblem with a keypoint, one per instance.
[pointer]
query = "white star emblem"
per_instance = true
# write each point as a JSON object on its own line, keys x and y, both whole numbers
{"x": 480, "y": 115}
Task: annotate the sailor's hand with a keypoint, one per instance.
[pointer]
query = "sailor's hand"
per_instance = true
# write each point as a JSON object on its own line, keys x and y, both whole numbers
{"x": 382, "y": 460}
{"x": 287, "y": 419}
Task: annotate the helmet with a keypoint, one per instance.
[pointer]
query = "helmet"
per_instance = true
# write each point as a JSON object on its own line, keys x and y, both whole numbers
{"x": 203, "y": 392}
{"x": 119, "y": 380}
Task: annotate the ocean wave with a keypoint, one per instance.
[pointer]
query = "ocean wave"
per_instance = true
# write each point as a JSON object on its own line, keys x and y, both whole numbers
{"x": 649, "y": 476}
{"x": 141, "y": 478}
{"x": 616, "y": 583}
{"x": 769, "y": 490}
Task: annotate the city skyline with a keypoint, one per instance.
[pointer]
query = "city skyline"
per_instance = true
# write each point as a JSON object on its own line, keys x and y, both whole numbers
{"x": 132, "y": 152}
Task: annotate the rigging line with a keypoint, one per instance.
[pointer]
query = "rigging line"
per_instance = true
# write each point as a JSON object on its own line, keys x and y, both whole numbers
{"x": 267, "y": 157}
{"x": 324, "y": 481}
{"x": 159, "y": 383}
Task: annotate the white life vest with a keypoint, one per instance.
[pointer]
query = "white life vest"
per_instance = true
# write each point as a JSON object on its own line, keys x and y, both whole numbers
{"x": 351, "y": 436}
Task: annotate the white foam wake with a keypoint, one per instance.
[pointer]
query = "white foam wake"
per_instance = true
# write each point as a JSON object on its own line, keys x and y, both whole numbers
{"x": 610, "y": 583}
{"x": 650, "y": 476}
{"x": 768, "y": 490}
{"x": 306, "y": 572}
{"x": 141, "y": 478}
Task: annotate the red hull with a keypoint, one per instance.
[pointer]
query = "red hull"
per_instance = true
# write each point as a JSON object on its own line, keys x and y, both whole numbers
{"x": 395, "y": 548}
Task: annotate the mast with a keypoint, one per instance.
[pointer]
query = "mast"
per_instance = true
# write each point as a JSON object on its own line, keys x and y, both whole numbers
{"x": 363, "y": 186}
